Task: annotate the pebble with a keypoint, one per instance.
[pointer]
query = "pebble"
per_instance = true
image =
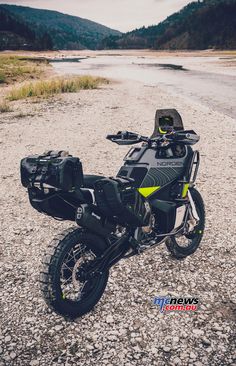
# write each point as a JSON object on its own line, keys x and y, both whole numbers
{"x": 103, "y": 336}
{"x": 13, "y": 355}
{"x": 176, "y": 361}
{"x": 175, "y": 339}
{"x": 89, "y": 347}
{"x": 58, "y": 328}
{"x": 206, "y": 341}
{"x": 94, "y": 337}
{"x": 166, "y": 349}
{"x": 192, "y": 355}
{"x": 198, "y": 332}
{"x": 109, "y": 319}
{"x": 34, "y": 363}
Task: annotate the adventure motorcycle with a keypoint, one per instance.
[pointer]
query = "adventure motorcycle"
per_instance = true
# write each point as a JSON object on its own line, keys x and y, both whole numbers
{"x": 152, "y": 200}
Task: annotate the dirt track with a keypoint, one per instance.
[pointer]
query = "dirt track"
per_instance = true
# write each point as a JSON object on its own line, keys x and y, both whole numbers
{"x": 136, "y": 333}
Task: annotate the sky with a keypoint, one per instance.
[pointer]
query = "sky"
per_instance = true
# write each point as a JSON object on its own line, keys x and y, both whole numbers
{"x": 124, "y": 15}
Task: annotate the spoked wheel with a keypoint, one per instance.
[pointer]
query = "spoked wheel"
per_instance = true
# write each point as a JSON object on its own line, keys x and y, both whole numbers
{"x": 73, "y": 287}
{"x": 181, "y": 246}
{"x": 64, "y": 283}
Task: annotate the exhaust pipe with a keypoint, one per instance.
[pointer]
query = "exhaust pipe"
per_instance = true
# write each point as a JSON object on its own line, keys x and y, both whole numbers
{"x": 85, "y": 218}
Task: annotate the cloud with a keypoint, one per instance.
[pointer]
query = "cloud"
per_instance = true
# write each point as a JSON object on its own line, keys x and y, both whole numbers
{"x": 118, "y": 14}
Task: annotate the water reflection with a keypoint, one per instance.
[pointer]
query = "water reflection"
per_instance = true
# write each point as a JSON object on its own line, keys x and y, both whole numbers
{"x": 172, "y": 73}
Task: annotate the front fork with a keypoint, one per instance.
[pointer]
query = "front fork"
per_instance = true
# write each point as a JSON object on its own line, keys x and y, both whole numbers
{"x": 191, "y": 216}
{"x": 193, "y": 207}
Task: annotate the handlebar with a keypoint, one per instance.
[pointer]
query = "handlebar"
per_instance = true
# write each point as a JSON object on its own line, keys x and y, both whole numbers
{"x": 126, "y": 138}
{"x": 188, "y": 137}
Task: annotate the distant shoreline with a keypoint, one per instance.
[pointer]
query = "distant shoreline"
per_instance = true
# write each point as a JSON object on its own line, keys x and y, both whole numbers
{"x": 128, "y": 52}
{"x": 205, "y": 76}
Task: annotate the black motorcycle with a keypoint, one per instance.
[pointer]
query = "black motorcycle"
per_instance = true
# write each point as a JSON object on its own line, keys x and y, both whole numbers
{"x": 152, "y": 200}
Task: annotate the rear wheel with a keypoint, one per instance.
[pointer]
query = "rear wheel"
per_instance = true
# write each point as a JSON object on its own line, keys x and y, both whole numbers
{"x": 64, "y": 289}
{"x": 184, "y": 245}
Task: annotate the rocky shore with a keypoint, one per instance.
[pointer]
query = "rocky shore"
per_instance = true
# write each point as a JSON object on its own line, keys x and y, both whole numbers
{"x": 124, "y": 328}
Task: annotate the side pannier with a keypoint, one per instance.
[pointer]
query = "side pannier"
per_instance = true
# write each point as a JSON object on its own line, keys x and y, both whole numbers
{"x": 51, "y": 180}
{"x": 55, "y": 169}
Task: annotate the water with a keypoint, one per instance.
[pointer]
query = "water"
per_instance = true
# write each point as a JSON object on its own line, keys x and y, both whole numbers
{"x": 204, "y": 79}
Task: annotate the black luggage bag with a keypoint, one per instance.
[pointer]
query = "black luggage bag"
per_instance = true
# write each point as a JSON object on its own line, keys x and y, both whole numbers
{"x": 59, "y": 205}
{"x": 51, "y": 180}
{"x": 54, "y": 169}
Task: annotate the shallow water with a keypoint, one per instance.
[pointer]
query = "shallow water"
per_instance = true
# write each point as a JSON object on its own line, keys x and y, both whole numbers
{"x": 199, "y": 78}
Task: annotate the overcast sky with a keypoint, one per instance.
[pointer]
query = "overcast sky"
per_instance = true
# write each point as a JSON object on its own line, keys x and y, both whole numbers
{"x": 123, "y": 15}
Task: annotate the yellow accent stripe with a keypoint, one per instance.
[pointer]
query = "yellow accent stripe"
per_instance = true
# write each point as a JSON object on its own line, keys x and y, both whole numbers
{"x": 185, "y": 190}
{"x": 147, "y": 191}
{"x": 161, "y": 130}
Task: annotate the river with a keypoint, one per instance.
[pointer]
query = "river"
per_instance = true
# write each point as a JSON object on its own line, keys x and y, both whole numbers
{"x": 208, "y": 80}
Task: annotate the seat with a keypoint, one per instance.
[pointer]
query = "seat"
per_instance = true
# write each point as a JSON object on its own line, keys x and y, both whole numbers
{"x": 89, "y": 180}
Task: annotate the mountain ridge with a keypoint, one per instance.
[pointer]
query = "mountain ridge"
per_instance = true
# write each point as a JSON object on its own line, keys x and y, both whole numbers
{"x": 198, "y": 25}
{"x": 46, "y": 29}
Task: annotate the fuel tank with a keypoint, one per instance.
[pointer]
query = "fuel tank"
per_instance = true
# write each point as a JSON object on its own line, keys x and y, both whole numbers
{"x": 157, "y": 173}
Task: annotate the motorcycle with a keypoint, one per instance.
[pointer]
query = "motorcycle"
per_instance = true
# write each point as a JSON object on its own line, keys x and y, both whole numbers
{"x": 152, "y": 200}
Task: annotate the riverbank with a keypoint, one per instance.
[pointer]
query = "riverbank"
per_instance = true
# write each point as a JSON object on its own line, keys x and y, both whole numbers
{"x": 15, "y": 68}
{"x": 217, "y": 58}
{"x": 24, "y": 77}
{"x": 135, "y": 333}
{"x": 208, "y": 76}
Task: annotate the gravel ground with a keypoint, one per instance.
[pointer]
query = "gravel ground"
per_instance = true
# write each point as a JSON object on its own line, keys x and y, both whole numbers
{"x": 124, "y": 328}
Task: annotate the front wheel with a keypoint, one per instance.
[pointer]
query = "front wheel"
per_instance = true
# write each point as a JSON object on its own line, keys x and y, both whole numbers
{"x": 63, "y": 289}
{"x": 182, "y": 246}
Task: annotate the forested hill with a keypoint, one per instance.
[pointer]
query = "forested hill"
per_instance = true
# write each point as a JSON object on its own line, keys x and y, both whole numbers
{"x": 34, "y": 29}
{"x": 199, "y": 25}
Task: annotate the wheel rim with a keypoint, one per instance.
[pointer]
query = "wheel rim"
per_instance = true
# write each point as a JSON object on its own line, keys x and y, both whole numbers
{"x": 183, "y": 241}
{"x": 72, "y": 288}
